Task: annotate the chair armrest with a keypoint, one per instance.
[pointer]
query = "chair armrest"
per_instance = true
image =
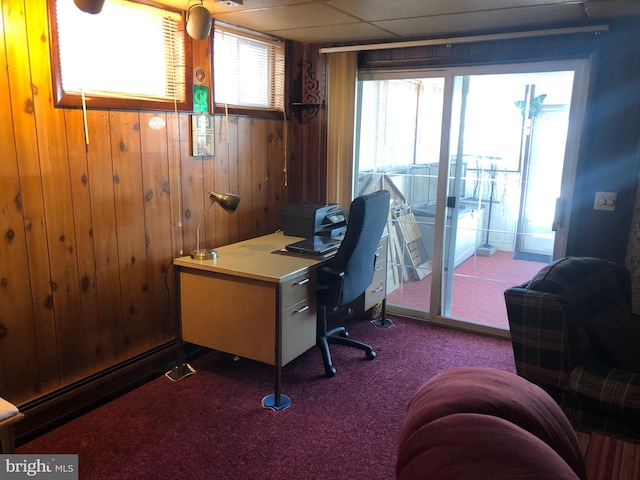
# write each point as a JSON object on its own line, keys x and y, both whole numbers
{"x": 332, "y": 272}
{"x": 547, "y": 336}
{"x": 614, "y": 390}
{"x": 329, "y": 286}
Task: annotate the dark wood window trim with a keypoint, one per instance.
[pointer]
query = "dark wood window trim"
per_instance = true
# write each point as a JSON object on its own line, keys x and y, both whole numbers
{"x": 72, "y": 99}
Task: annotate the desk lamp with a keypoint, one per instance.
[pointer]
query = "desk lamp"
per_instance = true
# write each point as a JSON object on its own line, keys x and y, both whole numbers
{"x": 228, "y": 201}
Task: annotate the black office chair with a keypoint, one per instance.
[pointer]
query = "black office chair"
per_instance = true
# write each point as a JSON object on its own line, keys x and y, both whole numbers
{"x": 350, "y": 272}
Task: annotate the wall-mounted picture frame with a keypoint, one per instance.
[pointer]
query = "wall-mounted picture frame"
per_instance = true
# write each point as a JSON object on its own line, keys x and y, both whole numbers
{"x": 202, "y": 136}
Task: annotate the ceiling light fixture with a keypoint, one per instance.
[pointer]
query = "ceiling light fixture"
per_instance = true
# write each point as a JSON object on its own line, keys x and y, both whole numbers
{"x": 89, "y": 6}
{"x": 199, "y": 21}
{"x": 231, "y": 3}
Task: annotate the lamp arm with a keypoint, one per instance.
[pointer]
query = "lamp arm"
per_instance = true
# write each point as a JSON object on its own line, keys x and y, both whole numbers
{"x": 200, "y": 223}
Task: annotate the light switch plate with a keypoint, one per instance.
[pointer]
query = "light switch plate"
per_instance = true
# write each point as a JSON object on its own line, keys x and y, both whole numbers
{"x": 605, "y": 201}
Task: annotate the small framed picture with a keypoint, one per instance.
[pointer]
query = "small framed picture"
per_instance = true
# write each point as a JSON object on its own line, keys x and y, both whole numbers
{"x": 202, "y": 135}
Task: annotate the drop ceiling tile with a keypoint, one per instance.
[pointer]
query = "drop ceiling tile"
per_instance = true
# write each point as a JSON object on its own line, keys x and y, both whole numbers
{"x": 612, "y": 8}
{"x": 352, "y": 32}
{"x": 219, "y": 7}
{"x": 309, "y": 21}
{"x": 373, "y": 10}
{"x": 485, "y": 21}
{"x": 315, "y": 14}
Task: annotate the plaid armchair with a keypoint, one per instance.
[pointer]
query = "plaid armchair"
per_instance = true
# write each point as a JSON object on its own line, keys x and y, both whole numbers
{"x": 574, "y": 335}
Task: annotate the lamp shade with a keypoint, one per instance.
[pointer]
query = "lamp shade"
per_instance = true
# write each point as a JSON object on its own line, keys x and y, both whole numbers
{"x": 228, "y": 201}
{"x": 199, "y": 22}
{"x": 89, "y": 6}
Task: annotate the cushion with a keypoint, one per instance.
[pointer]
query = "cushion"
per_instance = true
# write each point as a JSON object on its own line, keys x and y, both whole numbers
{"x": 591, "y": 284}
{"x": 474, "y": 446}
{"x": 497, "y": 393}
{"x": 7, "y": 409}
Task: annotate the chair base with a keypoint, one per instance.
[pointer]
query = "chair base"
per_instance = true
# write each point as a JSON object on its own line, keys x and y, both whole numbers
{"x": 339, "y": 336}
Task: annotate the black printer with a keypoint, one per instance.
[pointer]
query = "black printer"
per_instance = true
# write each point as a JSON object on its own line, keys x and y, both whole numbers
{"x": 308, "y": 219}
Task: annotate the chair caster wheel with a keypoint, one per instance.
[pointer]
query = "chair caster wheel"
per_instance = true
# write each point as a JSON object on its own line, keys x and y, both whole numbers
{"x": 344, "y": 334}
{"x": 371, "y": 355}
{"x": 330, "y": 372}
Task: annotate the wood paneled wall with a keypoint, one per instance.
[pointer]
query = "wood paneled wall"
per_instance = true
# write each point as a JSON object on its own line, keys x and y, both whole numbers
{"x": 88, "y": 232}
{"x": 307, "y": 132}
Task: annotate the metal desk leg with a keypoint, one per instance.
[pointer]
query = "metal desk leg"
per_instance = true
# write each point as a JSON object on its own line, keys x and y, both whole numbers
{"x": 182, "y": 369}
{"x": 383, "y": 322}
{"x": 277, "y": 401}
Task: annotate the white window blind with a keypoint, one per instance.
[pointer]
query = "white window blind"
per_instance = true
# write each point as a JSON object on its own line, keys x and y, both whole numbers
{"x": 388, "y": 124}
{"x": 128, "y": 50}
{"x": 248, "y": 70}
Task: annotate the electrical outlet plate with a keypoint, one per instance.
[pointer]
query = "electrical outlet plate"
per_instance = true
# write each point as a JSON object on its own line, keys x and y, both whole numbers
{"x": 605, "y": 201}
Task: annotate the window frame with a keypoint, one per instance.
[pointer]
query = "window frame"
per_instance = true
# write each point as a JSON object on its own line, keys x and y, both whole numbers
{"x": 63, "y": 98}
{"x": 221, "y": 108}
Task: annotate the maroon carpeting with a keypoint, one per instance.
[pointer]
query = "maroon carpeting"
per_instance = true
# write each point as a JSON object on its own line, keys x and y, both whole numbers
{"x": 211, "y": 426}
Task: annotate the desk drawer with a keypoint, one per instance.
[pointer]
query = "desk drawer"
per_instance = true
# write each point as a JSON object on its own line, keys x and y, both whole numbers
{"x": 379, "y": 273}
{"x": 375, "y": 293}
{"x": 298, "y": 330}
{"x": 381, "y": 252}
{"x": 298, "y": 289}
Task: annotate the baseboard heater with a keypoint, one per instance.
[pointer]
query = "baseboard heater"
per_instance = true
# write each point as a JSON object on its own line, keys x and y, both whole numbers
{"x": 60, "y": 406}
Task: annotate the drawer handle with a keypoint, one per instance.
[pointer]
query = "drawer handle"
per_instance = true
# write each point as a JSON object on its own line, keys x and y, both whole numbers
{"x": 303, "y": 309}
{"x": 377, "y": 269}
{"x": 302, "y": 282}
{"x": 379, "y": 289}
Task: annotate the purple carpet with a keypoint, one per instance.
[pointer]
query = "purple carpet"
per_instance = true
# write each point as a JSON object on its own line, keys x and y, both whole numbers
{"x": 211, "y": 425}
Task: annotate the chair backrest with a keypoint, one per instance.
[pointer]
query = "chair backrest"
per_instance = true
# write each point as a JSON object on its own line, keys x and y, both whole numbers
{"x": 356, "y": 256}
{"x": 591, "y": 284}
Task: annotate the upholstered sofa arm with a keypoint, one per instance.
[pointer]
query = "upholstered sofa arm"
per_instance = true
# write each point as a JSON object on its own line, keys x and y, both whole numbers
{"x": 547, "y": 337}
{"x": 478, "y": 423}
{"x": 615, "y": 391}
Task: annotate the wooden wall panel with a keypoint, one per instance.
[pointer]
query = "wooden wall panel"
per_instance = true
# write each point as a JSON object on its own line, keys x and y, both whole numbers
{"x": 103, "y": 231}
{"x": 275, "y": 175}
{"x": 306, "y": 144}
{"x": 174, "y": 150}
{"x": 25, "y": 139}
{"x": 64, "y": 300}
{"x": 222, "y": 184}
{"x": 259, "y": 175}
{"x": 240, "y": 131}
{"x": 209, "y": 224}
{"x": 85, "y": 249}
{"x": 157, "y": 219}
{"x": 17, "y": 328}
{"x": 193, "y": 191}
{"x": 236, "y": 230}
{"x": 130, "y": 221}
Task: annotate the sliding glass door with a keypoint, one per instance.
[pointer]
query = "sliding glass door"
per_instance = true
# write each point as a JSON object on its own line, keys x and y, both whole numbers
{"x": 476, "y": 161}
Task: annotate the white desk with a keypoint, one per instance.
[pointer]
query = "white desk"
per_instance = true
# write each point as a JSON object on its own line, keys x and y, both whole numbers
{"x": 252, "y": 301}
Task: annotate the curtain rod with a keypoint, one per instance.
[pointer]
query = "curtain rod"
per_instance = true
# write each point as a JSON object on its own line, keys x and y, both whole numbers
{"x": 476, "y": 38}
